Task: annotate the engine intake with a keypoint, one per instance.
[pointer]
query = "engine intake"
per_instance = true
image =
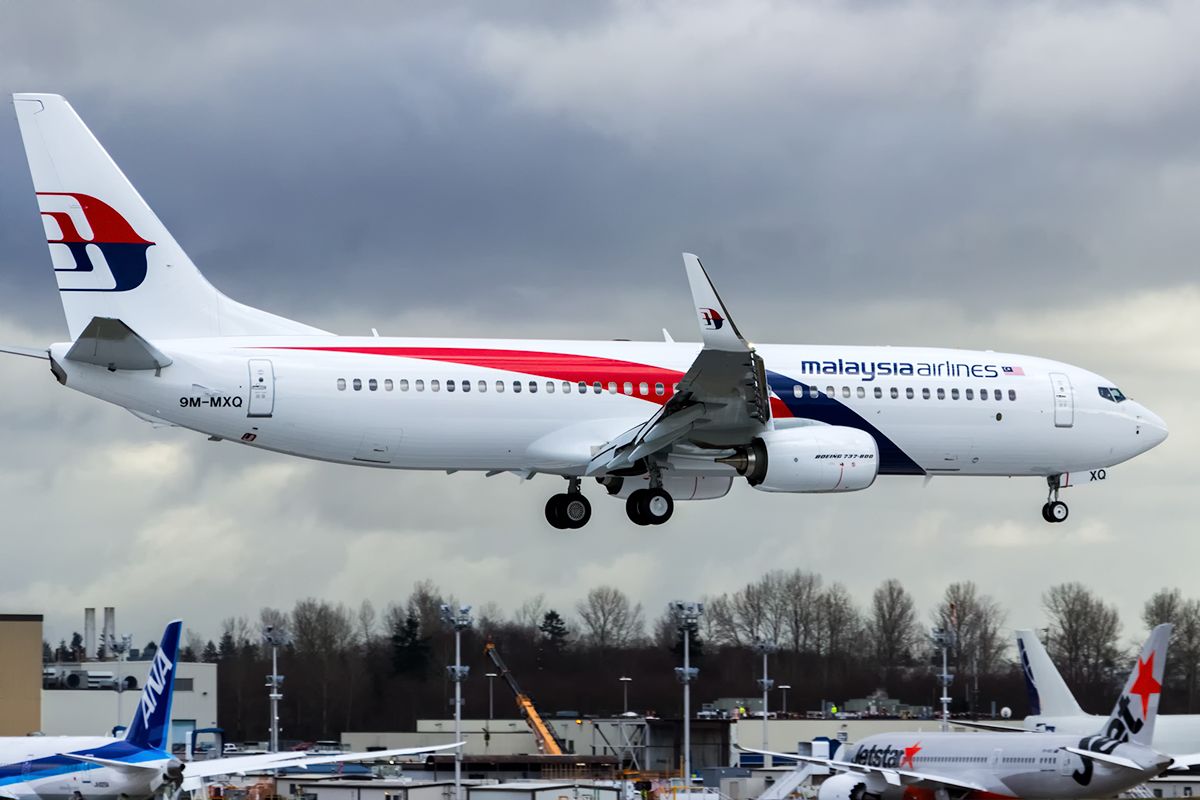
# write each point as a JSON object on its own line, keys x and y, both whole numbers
{"x": 815, "y": 458}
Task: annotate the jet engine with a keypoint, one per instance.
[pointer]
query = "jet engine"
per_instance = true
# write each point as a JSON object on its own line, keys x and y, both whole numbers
{"x": 843, "y": 787}
{"x": 814, "y": 458}
{"x": 695, "y": 487}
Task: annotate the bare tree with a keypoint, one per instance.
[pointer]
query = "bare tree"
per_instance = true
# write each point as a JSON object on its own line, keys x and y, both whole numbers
{"x": 489, "y": 617}
{"x": 609, "y": 618}
{"x": 892, "y": 625}
{"x": 976, "y": 620}
{"x": 531, "y": 613}
{"x": 365, "y": 620}
{"x": 323, "y": 634}
{"x": 1168, "y": 605}
{"x": 839, "y": 623}
{"x": 801, "y": 618}
{"x": 1083, "y": 636}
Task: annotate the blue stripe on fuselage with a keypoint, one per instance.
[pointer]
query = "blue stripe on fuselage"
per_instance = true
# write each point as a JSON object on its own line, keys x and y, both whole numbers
{"x": 51, "y": 766}
{"x": 892, "y": 460}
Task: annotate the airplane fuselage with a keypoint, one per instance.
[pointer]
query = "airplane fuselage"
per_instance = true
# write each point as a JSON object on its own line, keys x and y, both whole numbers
{"x": 541, "y": 406}
{"x": 38, "y": 766}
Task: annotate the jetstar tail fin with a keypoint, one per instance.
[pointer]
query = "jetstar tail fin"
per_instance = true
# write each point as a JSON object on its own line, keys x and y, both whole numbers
{"x": 1132, "y": 718}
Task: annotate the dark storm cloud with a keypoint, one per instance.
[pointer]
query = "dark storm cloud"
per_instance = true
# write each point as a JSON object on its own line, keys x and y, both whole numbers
{"x": 1000, "y": 175}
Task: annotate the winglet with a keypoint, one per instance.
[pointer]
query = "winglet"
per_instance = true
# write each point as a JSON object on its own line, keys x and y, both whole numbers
{"x": 717, "y": 328}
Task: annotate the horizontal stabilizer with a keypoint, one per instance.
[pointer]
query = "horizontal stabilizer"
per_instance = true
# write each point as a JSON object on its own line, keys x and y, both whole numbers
{"x": 29, "y": 352}
{"x": 1107, "y": 758}
{"x": 120, "y": 766}
{"x": 112, "y": 344}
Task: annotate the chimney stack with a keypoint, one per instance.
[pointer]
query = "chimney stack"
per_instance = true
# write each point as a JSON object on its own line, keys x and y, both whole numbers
{"x": 89, "y": 634}
{"x": 110, "y": 630}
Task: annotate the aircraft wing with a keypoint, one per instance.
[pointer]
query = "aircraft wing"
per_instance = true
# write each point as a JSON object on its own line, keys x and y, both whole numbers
{"x": 722, "y": 399}
{"x": 194, "y": 772}
{"x": 893, "y": 776}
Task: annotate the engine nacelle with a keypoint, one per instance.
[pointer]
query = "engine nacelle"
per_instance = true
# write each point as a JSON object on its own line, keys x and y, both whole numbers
{"x": 814, "y": 458}
{"x": 696, "y": 487}
{"x": 843, "y": 787}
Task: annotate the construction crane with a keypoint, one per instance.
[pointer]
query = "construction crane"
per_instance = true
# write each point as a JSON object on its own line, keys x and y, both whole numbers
{"x": 547, "y": 742}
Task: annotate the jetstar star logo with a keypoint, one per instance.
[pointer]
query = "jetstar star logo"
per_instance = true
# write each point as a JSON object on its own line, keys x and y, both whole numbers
{"x": 712, "y": 318}
{"x": 1145, "y": 685}
{"x": 909, "y": 754}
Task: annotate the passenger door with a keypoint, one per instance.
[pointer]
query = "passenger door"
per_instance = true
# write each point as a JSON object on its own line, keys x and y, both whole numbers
{"x": 262, "y": 388}
{"x": 1064, "y": 400}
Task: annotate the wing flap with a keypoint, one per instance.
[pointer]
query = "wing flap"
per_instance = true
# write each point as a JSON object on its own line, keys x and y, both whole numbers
{"x": 110, "y": 343}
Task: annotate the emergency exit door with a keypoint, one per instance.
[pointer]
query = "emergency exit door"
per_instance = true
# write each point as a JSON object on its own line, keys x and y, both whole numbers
{"x": 262, "y": 388}
{"x": 1064, "y": 401}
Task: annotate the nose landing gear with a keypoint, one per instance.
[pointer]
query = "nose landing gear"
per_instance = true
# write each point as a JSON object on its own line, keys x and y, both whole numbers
{"x": 1055, "y": 510}
{"x": 569, "y": 510}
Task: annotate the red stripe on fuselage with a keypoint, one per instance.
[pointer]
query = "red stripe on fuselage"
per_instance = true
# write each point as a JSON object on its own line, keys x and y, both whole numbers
{"x": 556, "y": 366}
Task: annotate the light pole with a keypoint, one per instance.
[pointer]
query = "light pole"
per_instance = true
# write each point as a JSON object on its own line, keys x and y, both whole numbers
{"x": 275, "y": 637}
{"x": 687, "y": 616}
{"x": 625, "y": 681}
{"x": 490, "y": 676}
{"x": 765, "y": 648}
{"x": 783, "y": 687}
{"x": 945, "y": 639}
{"x": 460, "y": 620}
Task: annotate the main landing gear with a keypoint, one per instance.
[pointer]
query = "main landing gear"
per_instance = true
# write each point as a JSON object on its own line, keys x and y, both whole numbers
{"x": 569, "y": 510}
{"x": 1055, "y": 510}
{"x": 649, "y": 506}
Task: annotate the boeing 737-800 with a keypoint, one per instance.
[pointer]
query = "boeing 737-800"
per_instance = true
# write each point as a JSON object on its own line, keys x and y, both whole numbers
{"x": 653, "y": 422}
{"x": 139, "y": 765}
{"x": 1114, "y": 758}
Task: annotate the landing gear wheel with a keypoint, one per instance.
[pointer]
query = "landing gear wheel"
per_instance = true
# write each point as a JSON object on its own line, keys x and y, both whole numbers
{"x": 658, "y": 506}
{"x": 1046, "y": 513}
{"x": 576, "y": 510}
{"x": 634, "y": 507}
{"x": 570, "y": 510}
{"x": 555, "y": 512}
{"x": 1056, "y": 511}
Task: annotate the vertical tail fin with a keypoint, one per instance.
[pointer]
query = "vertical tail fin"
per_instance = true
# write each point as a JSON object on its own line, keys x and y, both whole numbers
{"x": 1048, "y": 692}
{"x": 151, "y": 724}
{"x": 1132, "y": 719}
{"x": 112, "y": 256}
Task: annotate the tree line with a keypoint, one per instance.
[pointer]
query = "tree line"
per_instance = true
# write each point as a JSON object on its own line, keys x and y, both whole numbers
{"x": 365, "y": 669}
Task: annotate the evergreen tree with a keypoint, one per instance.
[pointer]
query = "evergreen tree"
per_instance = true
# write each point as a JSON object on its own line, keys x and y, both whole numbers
{"x": 76, "y": 647}
{"x": 555, "y": 635}
{"x": 410, "y": 650}
{"x": 149, "y": 651}
{"x": 187, "y": 654}
{"x": 227, "y": 649}
{"x": 210, "y": 655}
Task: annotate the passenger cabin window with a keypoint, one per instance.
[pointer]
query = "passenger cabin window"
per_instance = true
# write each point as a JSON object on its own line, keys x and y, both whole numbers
{"x": 970, "y": 394}
{"x": 566, "y": 387}
{"x": 1012, "y": 394}
{"x": 517, "y": 387}
{"x": 627, "y": 388}
{"x": 941, "y": 394}
{"x": 483, "y": 386}
{"x": 583, "y": 387}
{"x": 420, "y": 385}
{"x": 612, "y": 387}
{"x": 925, "y": 393}
{"x": 449, "y": 386}
{"x": 434, "y": 385}
{"x": 895, "y": 393}
{"x": 358, "y": 384}
{"x": 388, "y": 385}
{"x": 466, "y": 386}
{"x": 499, "y": 387}
{"x": 659, "y": 389}
{"x": 862, "y": 392}
{"x": 908, "y": 393}
{"x": 829, "y": 392}
{"x": 404, "y": 384}
{"x": 341, "y": 384}
{"x": 954, "y": 394}
{"x": 997, "y": 395}
{"x": 533, "y": 387}
{"x": 597, "y": 387}
{"x": 643, "y": 388}
{"x": 878, "y": 393}
{"x": 846, "y": 392}
{"x": 549, "y": 387}
{"x": 373, "y": 385}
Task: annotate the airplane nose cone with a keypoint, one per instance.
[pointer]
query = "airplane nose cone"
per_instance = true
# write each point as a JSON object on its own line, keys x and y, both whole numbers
{"x": 1151, "y": 427}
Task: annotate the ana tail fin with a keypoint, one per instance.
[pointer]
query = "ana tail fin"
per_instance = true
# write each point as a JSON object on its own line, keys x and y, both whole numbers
{"x": 1132, "y": 719}
{"x": 1048, "y": 692}
{"x": 151, "y": 724}
{"x": 112, "y": 256}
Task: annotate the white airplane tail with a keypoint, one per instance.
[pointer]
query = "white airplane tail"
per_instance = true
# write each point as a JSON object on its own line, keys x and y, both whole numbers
{"x": 1048, "y": 693}
{"x": 1132, "y": 718}
{"x": 112, "y": 256}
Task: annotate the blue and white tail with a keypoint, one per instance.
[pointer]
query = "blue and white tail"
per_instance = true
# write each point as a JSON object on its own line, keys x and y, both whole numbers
{"x": 1132, "y": 719}
{"x": 1048, "y": 693}
{"x": 112, "y": 256}
{"x": 151, "y": 724}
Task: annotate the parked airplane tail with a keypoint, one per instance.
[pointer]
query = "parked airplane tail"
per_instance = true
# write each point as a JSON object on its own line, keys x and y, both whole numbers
{"x": 1132, "y": 718}
{"x": 1048, "y": 693}
{"x": 151, "y": 724}
{"x": 112, "y": 256}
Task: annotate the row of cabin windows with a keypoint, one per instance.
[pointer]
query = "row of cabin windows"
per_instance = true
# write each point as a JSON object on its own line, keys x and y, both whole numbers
{"x": 371, "y": 384}
{"x": 953, "y": 759}
{"x": 910, "y": 393}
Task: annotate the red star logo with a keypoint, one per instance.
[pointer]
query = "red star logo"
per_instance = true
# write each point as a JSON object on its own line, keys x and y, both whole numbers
{"x": 1145, "y": 685}
{"x": 909, "y": 752}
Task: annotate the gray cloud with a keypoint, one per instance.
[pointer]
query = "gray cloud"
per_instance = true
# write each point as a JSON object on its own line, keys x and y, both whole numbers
{"x": 1010, "y": 176}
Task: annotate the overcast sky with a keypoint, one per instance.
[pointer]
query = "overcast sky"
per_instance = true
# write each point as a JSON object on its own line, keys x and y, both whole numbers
{"x": 1015, "y": 176}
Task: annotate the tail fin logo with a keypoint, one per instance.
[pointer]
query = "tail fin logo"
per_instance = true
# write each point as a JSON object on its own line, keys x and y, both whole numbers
{"x": 1144, "y": 684}
{"x": 120, "y": 248}
{"x": 156, "y": 682}
{"x": 712, "y": 318}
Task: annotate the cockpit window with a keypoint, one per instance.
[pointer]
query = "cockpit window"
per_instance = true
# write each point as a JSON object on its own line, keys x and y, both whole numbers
{"x": 1112, "y": 393}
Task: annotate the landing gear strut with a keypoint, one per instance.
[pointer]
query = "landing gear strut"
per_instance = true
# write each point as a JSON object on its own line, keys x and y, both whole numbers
{"x": 569, "y": 510}
{"x": 1055, "y": 510}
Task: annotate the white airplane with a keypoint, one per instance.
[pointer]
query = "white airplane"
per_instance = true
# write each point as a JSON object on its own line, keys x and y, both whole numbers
{"x": 139, "y": 765}
{"x": 653, "y": 422}
{"x": 1054, "y": 709}
{"x": 1038, "y": 766}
